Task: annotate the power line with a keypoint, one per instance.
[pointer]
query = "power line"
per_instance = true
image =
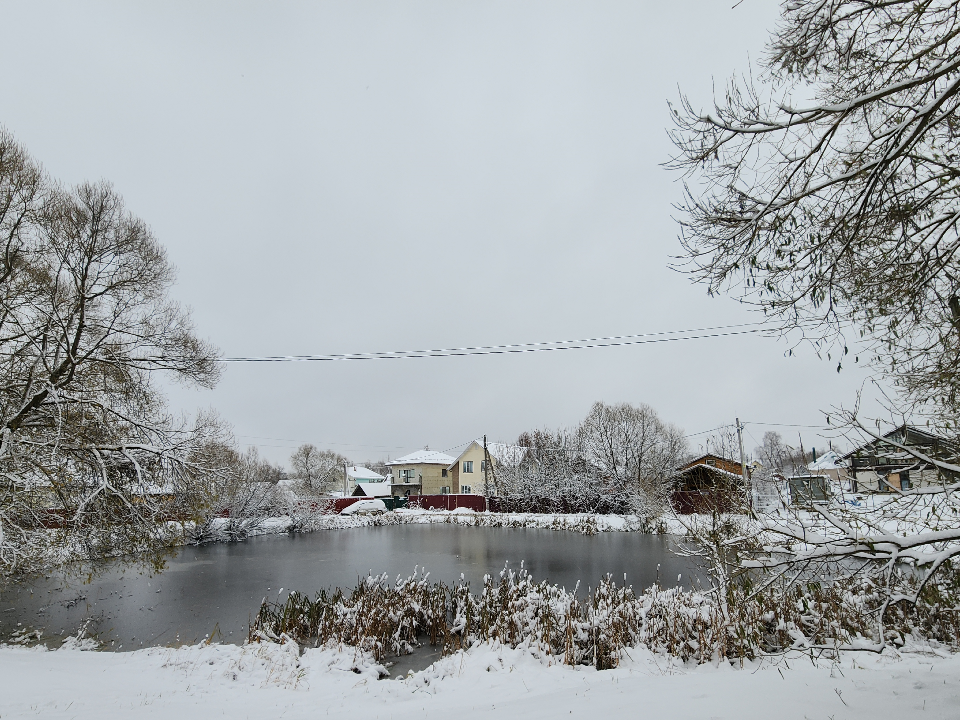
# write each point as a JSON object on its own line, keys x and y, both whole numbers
{"x": 301, "y": 442}
{"x": 751, "y": 422}
{"x": 586, "y": 343}
{"x": 704, "y": 432}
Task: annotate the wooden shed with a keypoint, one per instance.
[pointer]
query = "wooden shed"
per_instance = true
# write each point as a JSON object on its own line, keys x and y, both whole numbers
{"x": 708, "y": 483}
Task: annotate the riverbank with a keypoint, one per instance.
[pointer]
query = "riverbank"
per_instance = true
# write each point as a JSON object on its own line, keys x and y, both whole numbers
{"x": 585, "y": 523}
{"x": 266, "y": 680}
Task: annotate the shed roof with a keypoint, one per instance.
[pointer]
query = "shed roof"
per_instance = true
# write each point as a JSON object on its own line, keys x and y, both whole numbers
{"x": 372, "y": 489}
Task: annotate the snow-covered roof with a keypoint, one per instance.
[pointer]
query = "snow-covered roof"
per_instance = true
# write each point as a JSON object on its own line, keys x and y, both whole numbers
{"x": 424, "y": 457}
{"x": 362, "y": 474}
{"x": 502, "y": 454}
{"x": 507, "y": 455}
{"x": 708, "y": 468}
{"x": 830, "y": 460}
{"x": 373, "y": 489}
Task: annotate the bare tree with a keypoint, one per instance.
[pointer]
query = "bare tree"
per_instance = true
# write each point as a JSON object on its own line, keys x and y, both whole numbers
{"x": 776, "y": 456}
{"x": 88, "y": 455}
{"x": 723, "y": 442}
{"x": 827, "y": 192}
{"x": 239, "y": 497}
{"x": 553, "y": 476}
{"x": 620, "y": 458}
{"x": 318, "y": 469}
{"x": 635, "y": 450}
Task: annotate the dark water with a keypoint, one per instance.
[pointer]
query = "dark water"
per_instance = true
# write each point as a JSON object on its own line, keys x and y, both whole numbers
{"x": 216, "y": 589}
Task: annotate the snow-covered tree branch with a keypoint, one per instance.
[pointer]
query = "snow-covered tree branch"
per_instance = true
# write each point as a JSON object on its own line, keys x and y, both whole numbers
{"x": 91, "y": 462}
{"x": 827, "y": 191}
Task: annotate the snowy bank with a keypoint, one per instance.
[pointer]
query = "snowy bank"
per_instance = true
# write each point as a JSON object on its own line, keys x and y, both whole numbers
{"x": 586, "y": 523}
{"x": 267, "y": 680}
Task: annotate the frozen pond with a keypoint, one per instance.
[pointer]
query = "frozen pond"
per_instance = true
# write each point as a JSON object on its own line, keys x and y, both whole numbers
{"x": 216, "y": 589}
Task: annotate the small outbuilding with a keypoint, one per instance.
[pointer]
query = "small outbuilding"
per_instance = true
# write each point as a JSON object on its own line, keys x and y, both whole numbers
{"x": 710, "y": 482}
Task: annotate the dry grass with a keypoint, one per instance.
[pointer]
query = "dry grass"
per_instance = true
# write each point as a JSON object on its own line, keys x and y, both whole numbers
{"x": 597, "y": 629}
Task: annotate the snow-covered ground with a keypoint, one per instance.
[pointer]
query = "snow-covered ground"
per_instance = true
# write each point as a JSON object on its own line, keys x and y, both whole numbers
{"x": 578, "y": 522}
{"x": 272, "y": 681}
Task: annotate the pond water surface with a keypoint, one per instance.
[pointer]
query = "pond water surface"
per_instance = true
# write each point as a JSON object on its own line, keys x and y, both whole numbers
{"x": 216, "y": 589}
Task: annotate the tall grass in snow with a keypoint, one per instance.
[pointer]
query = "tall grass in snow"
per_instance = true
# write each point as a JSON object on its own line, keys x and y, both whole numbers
{"x": 596, "y": 628}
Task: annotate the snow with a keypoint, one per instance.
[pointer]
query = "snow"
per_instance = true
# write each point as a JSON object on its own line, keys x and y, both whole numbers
{"x": 268, "y": 680}
{"x": 505, "y": 455}
{"x": 424, "y": 457}
{"x": 380, "y": 489}
{"x": 364, "y": 506}
{"x": 830, "y": 460}
{"x": 361, "y": 474}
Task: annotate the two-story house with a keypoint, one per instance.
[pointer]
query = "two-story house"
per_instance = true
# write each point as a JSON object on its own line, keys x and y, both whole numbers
{"x": 468, "y": 473}
{"x": 423, "y": 472}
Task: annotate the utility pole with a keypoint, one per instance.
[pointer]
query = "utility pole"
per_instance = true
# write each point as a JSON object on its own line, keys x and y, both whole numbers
{"x": 486, "y": 469}
{"x": 743, "y": 463}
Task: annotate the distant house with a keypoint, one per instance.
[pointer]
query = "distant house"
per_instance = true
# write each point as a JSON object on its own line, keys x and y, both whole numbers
{"x": 881, "y": 466}
{"x": 357, "y": 474}
{"x": 423, "y": 472}
{"x": 710, "y": 482}
{"x": 830, "y": 464}
{"x": 466, "y": 473}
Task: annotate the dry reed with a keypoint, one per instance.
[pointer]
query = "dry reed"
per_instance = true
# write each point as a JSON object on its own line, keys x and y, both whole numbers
{"x": 600, "y": 627}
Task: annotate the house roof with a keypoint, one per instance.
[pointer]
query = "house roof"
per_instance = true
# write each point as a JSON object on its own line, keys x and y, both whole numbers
{"x": 702, "y": 460}
{"x": 362, "y": 474}
{"x": 373, "y": 489}
{"x": 502, "y": 454}
{"x": 710, "y": 469}
{"x": 943, "y": 442}
{"x": 423, "y": 457}
{"x": 830, "y": 460}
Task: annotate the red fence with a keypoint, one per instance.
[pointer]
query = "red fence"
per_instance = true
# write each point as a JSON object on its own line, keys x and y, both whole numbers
{"x": 477, "y": 503}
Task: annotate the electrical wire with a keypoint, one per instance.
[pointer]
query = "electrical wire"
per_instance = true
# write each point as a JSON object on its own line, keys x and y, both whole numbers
{"x": 753, "y": 422}
{"x": 583, "y": 344}
{"x": 335, "y": 444}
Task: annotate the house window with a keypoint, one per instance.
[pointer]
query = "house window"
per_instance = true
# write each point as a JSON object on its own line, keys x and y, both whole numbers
{"x": 468, "y": 466}
{"x": 905, "y": 480}
{"x": 465, "y": 489}
{"x": 712, "y": 463}
{"x": 443, "y": 473}
{"x": 483, "y": 465}
{"x": 409, "y": 475}
{"x": 445, "y": 490}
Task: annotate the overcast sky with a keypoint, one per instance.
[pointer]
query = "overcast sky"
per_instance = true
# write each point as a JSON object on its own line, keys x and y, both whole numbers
{"x": 359, "y": 176}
